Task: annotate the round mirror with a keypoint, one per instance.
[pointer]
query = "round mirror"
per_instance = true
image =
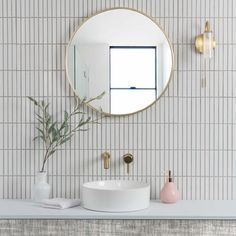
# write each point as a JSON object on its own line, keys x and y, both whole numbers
{"x": 123, "y": 54}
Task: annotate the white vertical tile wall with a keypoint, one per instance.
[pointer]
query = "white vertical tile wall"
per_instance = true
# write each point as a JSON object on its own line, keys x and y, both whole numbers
{"x": 190, "y": 130}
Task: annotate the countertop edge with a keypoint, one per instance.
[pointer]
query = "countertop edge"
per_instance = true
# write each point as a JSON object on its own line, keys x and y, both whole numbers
{"x": 183, "y": 210}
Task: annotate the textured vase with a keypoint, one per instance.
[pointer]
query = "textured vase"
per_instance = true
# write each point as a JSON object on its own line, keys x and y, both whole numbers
{"x": 41, "y": 189}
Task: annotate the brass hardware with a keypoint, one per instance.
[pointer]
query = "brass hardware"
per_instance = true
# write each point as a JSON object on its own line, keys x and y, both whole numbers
{"x": 106, "y": 158}
{"x": 199, "y": 41}
{"x": 128, "y": 158}
{"x": 207, "y": 27}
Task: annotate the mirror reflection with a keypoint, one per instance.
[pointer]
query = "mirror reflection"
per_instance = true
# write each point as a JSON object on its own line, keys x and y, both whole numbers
{"x": 123, "y": 53}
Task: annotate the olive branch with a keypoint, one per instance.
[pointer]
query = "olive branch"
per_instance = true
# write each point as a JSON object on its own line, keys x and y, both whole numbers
{"x": 54, "y": 133}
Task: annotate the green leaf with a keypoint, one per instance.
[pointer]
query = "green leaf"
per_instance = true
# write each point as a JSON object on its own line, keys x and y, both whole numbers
{"x": 33, "y": 100}
{"x": 42, "y": 103}
{"x": 46, "y": 107}
{"x": 55, "y": 135}
{"x": 83, "y": 122}
{"x": 88, "y": 119}
{"x": 62, "y": 126}
{"x": 83, "y": 99}
{"x": 66, "y": 115}
{"x": 39, "y": 118}
{"x": 43, "y": 136}
{"x": 78, "y": 112}
{"x": 48, "y": 121}
{"x": 95, "y": 98}
{"x": 40, "y": 130}
{"x": 101, "y": 95}
{"x": 51, "y": 152}
{"x": 95, "y": 122}
{"x": 36, "y": 137}
{"x": 55, "y": 138}
{"x": 52, "y": 127}
{"x": 82, "y": 130}
{"x": 65, "y": 140}
{"x": 77, "y": 104}
{"x": 81, "y": 119}
{"x": 66, "y": 128}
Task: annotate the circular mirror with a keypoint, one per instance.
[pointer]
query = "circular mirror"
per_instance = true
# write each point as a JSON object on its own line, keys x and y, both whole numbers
{"x": 122, "y": 54}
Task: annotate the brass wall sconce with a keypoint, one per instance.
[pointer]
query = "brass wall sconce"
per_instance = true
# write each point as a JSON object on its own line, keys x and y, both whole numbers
{"x": 205, "y": 42}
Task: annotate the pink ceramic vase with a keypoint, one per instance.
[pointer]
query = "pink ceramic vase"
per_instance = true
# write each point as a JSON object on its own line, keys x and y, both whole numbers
{"x": 169, "y": 193}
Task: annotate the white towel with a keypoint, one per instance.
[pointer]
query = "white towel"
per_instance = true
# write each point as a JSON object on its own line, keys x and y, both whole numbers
{"x": 60, "y": 203}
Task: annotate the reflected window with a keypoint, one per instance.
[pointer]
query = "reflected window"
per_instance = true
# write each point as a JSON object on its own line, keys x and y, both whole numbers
{"x": 133, "y": 78}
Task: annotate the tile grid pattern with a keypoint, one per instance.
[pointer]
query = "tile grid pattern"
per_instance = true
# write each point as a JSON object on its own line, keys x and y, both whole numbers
{"x": 190, "y": 130}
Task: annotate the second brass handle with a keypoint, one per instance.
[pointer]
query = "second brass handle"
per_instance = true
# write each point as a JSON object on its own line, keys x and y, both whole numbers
{"x": 128, "y": 158}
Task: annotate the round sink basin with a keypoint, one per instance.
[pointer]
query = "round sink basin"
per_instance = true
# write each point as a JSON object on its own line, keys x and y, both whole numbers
{"x": 115, "y": 195}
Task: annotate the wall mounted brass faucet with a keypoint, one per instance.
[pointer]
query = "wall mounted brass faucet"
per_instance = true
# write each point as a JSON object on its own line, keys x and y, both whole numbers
{"x": 128, "y": 158}
{"x": 106, "y": 158}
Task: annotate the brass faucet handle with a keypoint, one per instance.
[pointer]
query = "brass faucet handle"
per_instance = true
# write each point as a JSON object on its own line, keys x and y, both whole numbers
{"x": 106, "y": 157}
{"x": 128, "y": 158}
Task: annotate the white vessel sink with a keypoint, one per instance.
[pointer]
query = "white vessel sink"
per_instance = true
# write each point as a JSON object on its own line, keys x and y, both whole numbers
{"x": 115, "y": 195}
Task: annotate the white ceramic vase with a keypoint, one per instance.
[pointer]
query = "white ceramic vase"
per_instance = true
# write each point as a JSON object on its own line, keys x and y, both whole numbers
{"x": 41, "y": 189}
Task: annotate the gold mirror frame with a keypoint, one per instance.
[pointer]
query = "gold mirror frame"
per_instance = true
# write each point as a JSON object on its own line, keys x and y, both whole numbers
{"x": 172, "y": 60}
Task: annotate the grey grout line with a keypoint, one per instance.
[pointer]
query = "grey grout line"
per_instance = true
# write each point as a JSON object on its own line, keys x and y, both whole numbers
{"x": 30, "y": 108}
{"x": 138, "y": 175}
{"x": 218, "y": 187}
{"x": 10, "y": 123}
{"x": 223, "y": 118}
{"x": 227, "y": 110}
{"x": 214, "y": 136}
{"x": 187, "y": 138}
{"x": 204, "y": 124}
{"x": 191, "y": 127}
{"x": 24, "y": 102}
{"x": 125, "y": 149}
{"x": 177, "y": 92}
{"x": 20, "y": 75}
{"x": 164, "y": 97}
{"x": 196, "y": 131}
{"x": 64, "y": 44}
{"x": 200, "y": 133}
{"x": 4, "y": 133}
{"x": 155, "y": 139}
{"x": 182, "y": 127}
{"x": 12, "y": 133}
{"x": 50, "y": 73}
{"x": 56, "y": 104}
{"x": 84, "y": 17}
{"x": 17, "y": 115}
{"x": 34, "y": 63}
{"x": 232, "y": 112}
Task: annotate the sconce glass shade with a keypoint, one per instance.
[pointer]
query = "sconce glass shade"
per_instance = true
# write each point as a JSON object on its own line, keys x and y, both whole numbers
{"x": 205, "y": 43}
{"x": 208, "y": 44}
